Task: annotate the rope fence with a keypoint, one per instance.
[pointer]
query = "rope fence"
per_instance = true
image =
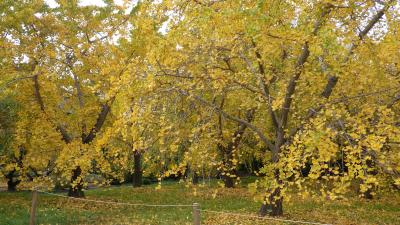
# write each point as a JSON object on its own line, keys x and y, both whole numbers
{"x": 262, "y": 218}
{"x": 195, "y": 207}
{"x": 111, "y": 202}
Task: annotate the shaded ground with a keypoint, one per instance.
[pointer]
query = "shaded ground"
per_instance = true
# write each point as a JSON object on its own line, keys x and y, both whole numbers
{"x": 14, "y": 207}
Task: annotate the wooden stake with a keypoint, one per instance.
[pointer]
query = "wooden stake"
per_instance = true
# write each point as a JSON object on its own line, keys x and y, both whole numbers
{"x": 196, "y": 214}
{"x": 33, "y": 208}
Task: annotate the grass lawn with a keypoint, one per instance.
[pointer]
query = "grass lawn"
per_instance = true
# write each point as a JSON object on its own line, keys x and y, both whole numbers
{"x": 14, "y": 207}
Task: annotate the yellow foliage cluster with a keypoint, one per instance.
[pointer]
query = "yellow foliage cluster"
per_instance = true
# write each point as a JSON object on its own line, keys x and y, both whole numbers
{"x": 305, "y": 90}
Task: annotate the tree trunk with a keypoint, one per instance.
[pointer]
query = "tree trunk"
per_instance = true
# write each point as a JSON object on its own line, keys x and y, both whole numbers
{"x": 11, "y": 185}
{"x": 264, "y": 210}
{"x": 138, "y": 172}
{"x": 275, "y": 199}
{"x": 368, "y": 194}
{"x": 369, "y": 172}
{"x": 12, "y": 181}
{"x": 275, "y": 206}
{"x": 229, "y": 182}
{"x": 276, "y": 203}
{"x": 195, "y": 178}
{"x": 76, "y": 191}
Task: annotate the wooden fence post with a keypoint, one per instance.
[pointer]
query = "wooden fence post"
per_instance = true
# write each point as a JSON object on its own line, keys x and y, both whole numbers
{"x": 196, "y": 214}
{"x": 33, "y": 207}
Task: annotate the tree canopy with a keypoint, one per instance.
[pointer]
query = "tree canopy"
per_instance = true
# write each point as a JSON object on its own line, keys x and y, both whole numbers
{"x": 303, "y": 94}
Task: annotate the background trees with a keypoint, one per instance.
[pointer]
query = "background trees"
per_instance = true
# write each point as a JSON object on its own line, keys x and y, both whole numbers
{"x": 11, "y": 157}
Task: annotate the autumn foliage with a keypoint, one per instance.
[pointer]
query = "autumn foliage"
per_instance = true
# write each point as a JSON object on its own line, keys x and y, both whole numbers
{"x": 303, "y": 94}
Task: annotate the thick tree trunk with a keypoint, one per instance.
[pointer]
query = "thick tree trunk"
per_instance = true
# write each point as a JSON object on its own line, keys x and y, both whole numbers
{"x": 264, "y": 210}
{"x": 276, "y": 203}
{"x": 229, "y": 182}
{"x": 275, "y": 206}
{"x": 76, "y": 191}
{"x": 11, "y": 186}
{"x": 275, "y": 199}
{"x": 12, "y": 181}
{"x": 368, "y": 194}
{"x": 138, "y": 172}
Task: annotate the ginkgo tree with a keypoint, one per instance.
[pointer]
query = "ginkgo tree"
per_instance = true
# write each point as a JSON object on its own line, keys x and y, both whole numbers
{"x": 294, "y": 63}
{"x": 69, "y": 67}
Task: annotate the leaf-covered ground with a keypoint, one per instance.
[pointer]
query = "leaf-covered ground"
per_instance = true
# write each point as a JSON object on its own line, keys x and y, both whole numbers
{"x": 14, "y": 207}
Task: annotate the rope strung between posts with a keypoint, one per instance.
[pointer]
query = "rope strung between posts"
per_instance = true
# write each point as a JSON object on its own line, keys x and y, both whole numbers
{"x": 180, "y": 205}
{"x": 110, "y": 202}
{"x": 263, "y": 218}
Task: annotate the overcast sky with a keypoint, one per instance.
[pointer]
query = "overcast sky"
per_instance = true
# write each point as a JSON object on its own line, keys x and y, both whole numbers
{"x": 52, "y": 3}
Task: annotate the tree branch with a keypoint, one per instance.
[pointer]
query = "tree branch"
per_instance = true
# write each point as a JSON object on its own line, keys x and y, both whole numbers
{"x": 5, "y": 85}
{"x": 298, "y": 69}
{"x": 101, "y": 118}
{"x": 265, "y": 88}
{"x": 333, "y": 79}
{"x": 66, "y": 137}
{"x": 38, "y": 96}
{"x": 263, "y": 138}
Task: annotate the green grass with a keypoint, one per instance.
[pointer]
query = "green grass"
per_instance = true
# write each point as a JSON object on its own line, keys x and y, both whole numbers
{"x": 14, "y": 207}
